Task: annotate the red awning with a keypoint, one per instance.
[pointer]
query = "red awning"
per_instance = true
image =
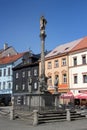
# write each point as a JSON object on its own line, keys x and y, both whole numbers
{"x": 67, "y": 95}
{"x": 81, "y": 96}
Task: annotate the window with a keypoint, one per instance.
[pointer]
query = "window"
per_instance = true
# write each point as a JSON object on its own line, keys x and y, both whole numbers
{"x": 4, "y": 72}
{"x": 63, "y": 61}
{"x": 49, "y": 65}
{"x": 23, "y": 74}
{"x": 35, "y": 85}
{"x": 49, "y": 81}
{"x": 0, "y": 85}
{"x": 84, "y": 59}
{"x": 85, "y": 78}
{"x": 23, "y": 86}
{"x": 9, "y": 71}
{"x": 75, "y": 61}
{"x": 3, "y": 85}
{"x": 56, "y": 64}
{"x": 29, "y": 73}
{"x": 35, "y": 72}
{"x": 16, "y": 75}
{"x": 0, "y": 73}
{"x": 9, "y": 85}
{"x": 16, "y": 87}
{"x": 75, "y": 79}
{"x": 64, "y": 78}
{"x": 24, "y": 100}
{"x": 19, "y": 100}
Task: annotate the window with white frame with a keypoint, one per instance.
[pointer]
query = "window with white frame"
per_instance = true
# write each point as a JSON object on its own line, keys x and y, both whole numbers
{"x": 35, "y": 72}
{"x": 16, "y": 87}
{"x": 4, "y": 85}
{"x": 23, "y": 86}
{"x": 56, "y": 63}
{"x": 0, "y": 73}
{"x": 17, "y": 75}
{"x": 19, "y": 100}
{"x": 24, "y": 100}
{"x": 29, "y": 73}
{"x": 63, "y": 61}
{"x": 75, "y": 79}
{"x": 75, "y": 61}
{"x": 64, "y": 78}
{"x": 85, "y": 78}
{"x": 84, "y": 59}
{"x": 23, "y": 74}
{"x": 0, "y": 85}
{"x": 35, "y": 85}
{"x": 9, "y": 71}
{"x": 4, "y": 72}
{"x": 9, "y": 85}
{"x": 49, "y": 65}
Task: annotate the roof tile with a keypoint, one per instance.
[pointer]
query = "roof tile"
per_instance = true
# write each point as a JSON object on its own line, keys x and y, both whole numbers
{"x": 10, "y": 59}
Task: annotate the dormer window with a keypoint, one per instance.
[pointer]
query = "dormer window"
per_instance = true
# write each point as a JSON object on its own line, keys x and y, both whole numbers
{"x": 54, "y": 51}
{"x": 66, "y": 48}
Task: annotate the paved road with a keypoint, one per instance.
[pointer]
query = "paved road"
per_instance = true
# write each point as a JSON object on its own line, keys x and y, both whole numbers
{"x": 20, "y": 125}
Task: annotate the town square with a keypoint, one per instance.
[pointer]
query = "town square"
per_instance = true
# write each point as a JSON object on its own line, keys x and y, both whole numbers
{"x": 43, "y": 65}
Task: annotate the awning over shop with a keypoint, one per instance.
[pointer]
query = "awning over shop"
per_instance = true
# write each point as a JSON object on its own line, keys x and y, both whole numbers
{"x": 81, "y": 96}
{"x": 67, "y": 95}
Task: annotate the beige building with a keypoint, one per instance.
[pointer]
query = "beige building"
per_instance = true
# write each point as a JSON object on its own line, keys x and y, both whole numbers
{"x": 57, "y": 64}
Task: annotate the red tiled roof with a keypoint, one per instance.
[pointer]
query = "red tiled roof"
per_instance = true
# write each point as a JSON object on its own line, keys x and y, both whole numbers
{"x": 81, "y": 45}
{"x": 10, "y": 59}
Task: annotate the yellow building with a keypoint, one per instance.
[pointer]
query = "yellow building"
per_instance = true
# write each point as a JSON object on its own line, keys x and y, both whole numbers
{"x": 57, "y": 64}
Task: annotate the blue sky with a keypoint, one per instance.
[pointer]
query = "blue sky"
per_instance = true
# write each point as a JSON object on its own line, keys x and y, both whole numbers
{"x": 19, "y": 22}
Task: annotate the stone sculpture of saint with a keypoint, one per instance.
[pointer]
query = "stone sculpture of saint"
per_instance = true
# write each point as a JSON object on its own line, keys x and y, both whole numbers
{"x": 42, "y": 23}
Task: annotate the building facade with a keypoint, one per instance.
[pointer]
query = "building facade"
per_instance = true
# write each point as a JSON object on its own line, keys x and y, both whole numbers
{"x": 25, "y": 80}
{"x": 78, "y": 68}
{"x": 57, "y": 64}
{"x": 6, "y": 76}
{"x": 7, "y": 51}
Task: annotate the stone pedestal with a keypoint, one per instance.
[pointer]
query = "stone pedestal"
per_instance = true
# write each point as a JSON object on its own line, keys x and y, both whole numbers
{"x": 68, "y": 115}
{"x": 11, "y": 113}
{"x": 35, "y": 121}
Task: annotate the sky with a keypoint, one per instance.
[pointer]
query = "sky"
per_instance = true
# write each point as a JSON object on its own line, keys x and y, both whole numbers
{"x": 20, "y": 23}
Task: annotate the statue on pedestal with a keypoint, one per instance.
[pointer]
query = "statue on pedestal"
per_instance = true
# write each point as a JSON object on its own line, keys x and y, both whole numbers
{"x": 42, "y": 23}
{"x": 56, "y": 83}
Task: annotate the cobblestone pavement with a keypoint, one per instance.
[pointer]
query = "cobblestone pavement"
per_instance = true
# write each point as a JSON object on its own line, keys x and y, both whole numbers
{"x": 22, "y": 125}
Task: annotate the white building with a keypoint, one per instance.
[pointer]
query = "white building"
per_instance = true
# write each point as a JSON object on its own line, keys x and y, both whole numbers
{"x": 6, "y": 74}
{"x": 78, "y": 67}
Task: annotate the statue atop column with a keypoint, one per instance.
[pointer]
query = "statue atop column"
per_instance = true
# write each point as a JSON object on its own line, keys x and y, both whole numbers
{"x": 56, "y": 83}
{"x": 43, "y": 23}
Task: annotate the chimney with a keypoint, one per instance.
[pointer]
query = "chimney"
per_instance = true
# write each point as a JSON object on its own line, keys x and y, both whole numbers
{"x": 5, "y": 46}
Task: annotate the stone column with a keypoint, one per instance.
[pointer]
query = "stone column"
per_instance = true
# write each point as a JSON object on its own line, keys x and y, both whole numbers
{"x": 11, "y": 113}
{"x": 68, "y": 115}
{"x": 35, "y": 121}
{"x": 42, "y": 36}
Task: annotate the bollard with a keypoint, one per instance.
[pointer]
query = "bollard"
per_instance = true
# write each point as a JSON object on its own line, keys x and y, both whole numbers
{"x": 11, "y": 113}
{"x": 35, "y": 122}
{"x": 68, "y": 115}
{"x": 86, "y": 116}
